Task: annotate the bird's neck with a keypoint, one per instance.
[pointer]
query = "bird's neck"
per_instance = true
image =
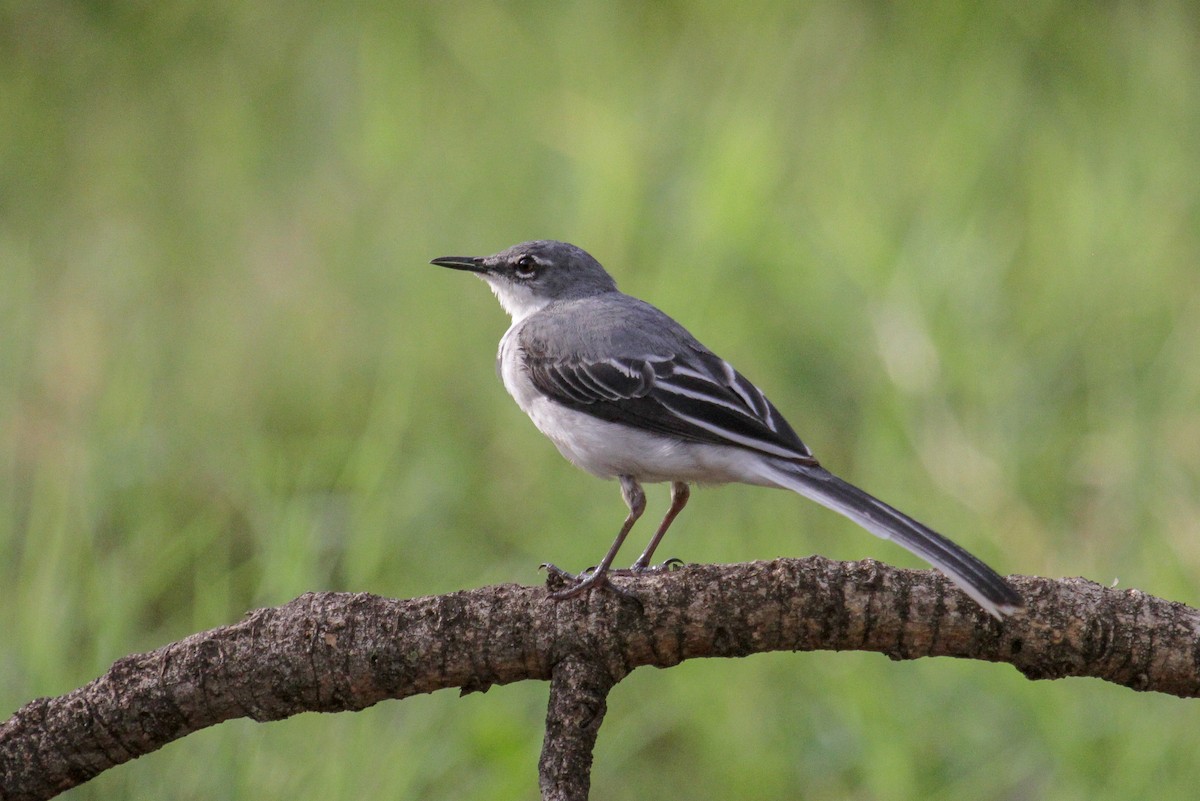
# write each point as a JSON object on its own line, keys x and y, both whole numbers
{"x": 517, "y": 301}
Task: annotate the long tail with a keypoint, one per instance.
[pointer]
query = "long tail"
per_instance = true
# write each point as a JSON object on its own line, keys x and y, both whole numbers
{"x": 975, "y": 578}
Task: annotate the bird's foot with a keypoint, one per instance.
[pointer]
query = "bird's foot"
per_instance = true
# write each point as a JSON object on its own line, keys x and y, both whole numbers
{"x": 639, "y": 569}
{"x": 573, "y": 586}
{"x": 556, "y": 577}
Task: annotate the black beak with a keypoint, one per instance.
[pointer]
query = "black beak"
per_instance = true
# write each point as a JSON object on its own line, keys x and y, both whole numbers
{"x": 469, "y": 263}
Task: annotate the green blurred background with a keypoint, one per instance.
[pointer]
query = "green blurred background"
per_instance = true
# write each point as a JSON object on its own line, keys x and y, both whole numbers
{"x": 957, "y": 243}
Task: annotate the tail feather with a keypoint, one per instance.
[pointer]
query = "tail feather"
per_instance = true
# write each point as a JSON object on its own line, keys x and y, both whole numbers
{"x": 975, "y": 578}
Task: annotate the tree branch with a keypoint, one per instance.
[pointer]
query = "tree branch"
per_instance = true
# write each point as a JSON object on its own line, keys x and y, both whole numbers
{"x": 338, "y": 651}
{"x": 578, "y": 692}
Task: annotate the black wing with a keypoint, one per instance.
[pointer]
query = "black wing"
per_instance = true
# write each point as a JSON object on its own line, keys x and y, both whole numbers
{"x": 696, "y": 396}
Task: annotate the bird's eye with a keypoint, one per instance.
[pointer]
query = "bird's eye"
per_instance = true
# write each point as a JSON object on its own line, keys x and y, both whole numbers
{"x": 525, "y": 267}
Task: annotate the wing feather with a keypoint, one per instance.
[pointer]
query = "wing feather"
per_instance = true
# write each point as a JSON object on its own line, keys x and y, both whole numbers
{"x": 696, "y": 396}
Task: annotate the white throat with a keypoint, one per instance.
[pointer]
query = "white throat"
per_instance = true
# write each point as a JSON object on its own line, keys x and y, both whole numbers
{"x": 516, "y": 299}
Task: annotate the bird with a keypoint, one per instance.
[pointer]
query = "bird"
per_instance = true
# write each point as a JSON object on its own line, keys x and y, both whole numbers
{"x": 626, "y": 392}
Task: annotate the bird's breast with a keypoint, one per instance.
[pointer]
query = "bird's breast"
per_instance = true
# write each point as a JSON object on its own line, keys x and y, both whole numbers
{"x": 511, "y": 366}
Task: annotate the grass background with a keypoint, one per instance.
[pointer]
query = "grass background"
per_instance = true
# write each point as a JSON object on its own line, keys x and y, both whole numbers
{"x": 957, "y": 243}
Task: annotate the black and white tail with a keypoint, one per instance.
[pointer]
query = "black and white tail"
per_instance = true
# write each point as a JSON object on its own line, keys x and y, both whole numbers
{"x": 975, "y": 578}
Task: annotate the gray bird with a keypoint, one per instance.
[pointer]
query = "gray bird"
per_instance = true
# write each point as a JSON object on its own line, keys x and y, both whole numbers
{"x": 626, "y": 392}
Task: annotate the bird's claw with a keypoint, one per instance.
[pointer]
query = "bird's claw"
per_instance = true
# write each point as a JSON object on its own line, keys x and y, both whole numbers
{"x": 556, "y": 577}
{"x": 671, "y": 565}
{"x": 564, "y": 586}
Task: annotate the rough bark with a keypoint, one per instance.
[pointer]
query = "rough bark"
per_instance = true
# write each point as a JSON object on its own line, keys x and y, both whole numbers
{"x": 340, "y": 651}
{"x": 578, "y": 700}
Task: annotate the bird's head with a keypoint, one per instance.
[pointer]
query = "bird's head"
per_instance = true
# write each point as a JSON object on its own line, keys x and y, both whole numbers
{"x": 529, "y": 276}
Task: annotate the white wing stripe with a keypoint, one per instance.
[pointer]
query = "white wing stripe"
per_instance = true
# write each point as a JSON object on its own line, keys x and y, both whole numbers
{"x": 751, "y": 398}
{"x": 681, "y": 369}
{"x": 627, "y": 368}
{"x": 758, "y": 400}
{"x": 731, "y": 375}
{"x": 675, "y": 389}
{"x": 595, "y": 384}
{"x": 739, "y": 439}
{"x": 607, "y": 390}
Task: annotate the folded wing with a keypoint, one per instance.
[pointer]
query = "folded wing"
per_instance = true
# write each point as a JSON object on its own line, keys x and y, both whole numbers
{"x": 694, "y": 395}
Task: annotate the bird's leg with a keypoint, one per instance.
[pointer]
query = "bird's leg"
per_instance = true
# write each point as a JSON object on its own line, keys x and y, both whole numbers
{"x": 679, "y": 498}
{"x": 635, "y": 499}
